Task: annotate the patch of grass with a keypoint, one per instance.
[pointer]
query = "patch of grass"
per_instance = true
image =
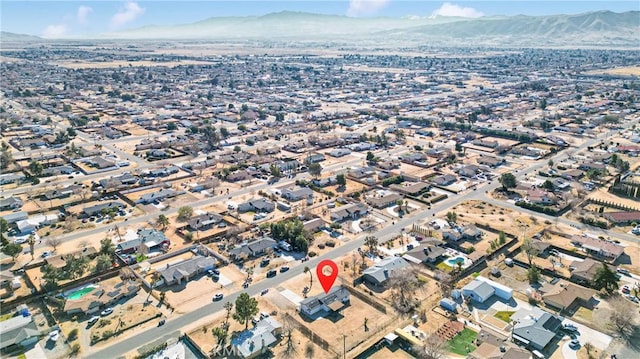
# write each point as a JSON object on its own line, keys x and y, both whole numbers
{"x": 4, "y": 317}
{"x": 443, "y": 267}
{"x": 585, "y": 313}
{"x": 504, "y": 315}
{"x": 462, "y": 341}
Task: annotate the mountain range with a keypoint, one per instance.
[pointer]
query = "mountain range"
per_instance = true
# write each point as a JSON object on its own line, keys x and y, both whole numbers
{"x": 597, "y": 29}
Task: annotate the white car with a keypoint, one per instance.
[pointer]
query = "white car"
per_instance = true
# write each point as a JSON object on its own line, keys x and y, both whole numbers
{"x": 54, "y": 335}
{"x": 106, "y": 312}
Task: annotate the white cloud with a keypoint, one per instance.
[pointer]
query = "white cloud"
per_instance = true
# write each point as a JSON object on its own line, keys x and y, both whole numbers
{"x": 129, "y": 12}
{"x": 449, "y": 9}
{"x": 365, "y": 7}
{"x": 54, "y": 31}
{"x": 83, "y": 13}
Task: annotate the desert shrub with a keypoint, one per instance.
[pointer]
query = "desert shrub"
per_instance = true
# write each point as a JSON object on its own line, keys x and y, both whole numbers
{"x": 330, "y": 243}
{"x": 321, "y": 246}
{"x": 73, "y": 334}
{"x": 312, "y": 254}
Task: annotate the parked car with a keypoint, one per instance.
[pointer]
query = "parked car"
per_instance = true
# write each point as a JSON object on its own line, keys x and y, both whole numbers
{"x": 47, "y": 254}
{"x": 574, "y": 344}
{"x": 271, "y": 273}
{"x": 570, "y": 327}
{"x": 106, "y": 312}
{"x": 161, "y": 323}
{"x": 213, "y": 272}
{"x": 218, "y": 297}
{"x": 284, "y": 269}
{"x": 93, "y": 320}
{"x": 264, "y": 262}
{"x": 625, "y": 289}
{"x": 54, "y": 335}
{"x": 623, "y": 271}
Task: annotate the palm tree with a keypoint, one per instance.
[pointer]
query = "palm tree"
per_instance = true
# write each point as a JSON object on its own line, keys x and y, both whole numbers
{"x": 228, "y": 306}
{"x": 220, "y": 334}
{"x": 32, "y": 244}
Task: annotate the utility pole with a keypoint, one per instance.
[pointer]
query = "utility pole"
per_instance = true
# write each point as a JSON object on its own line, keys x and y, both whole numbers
{"x": 344, "y": 346}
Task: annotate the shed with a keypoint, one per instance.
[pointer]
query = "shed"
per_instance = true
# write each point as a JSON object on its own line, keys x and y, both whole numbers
{"x": 449, "y": 304}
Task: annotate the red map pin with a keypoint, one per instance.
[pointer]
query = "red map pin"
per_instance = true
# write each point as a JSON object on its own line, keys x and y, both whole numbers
{"x": 327, "y": 280}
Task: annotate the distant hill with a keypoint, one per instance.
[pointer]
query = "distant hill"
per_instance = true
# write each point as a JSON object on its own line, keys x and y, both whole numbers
{"x": 603, "y": 28}
{"x": 10, "y": 36}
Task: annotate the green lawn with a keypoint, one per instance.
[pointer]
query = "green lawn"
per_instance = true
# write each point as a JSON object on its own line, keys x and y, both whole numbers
{"x": 504, "y": 315}
{"x": 460, "y": 342}
{"x": 443, "y": 267}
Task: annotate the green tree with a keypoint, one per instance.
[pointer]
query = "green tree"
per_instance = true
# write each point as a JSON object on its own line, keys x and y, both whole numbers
{"x": 606, "y": 279}
{"x": 12, "y": 250}
{"x": 548, "y": 185}
{"x": 246, "y": 308}
{"x": 372, "y": 243}
{"x": 163, "y": 222}
{"x": 452, "y": 217}
{"x": 275, "y": 171}
{"x": 220, "y": 334}
{"x": 529, "y": 249}
{"x": 458, "y": 147}
{"x": 508, "y": 180}
{"x": 341, "y": 180}
{"x": 4, "y": 227}
{"x": 237, "y": 148}
{"x": 370, "y": 157}
{"x": 550, "y": 163}
{"x": 103, "y": 262}
{"x": 502, "y": 238}
{"x": 107, "y": 247}
{"x": 224, "y": 132}
{"x": 35, "y": 168}
{"x": 315, "y": 169}
{"x": 6, "y": 158}
{"x": 533, "y": 274}
{"x": 184, "y": 213}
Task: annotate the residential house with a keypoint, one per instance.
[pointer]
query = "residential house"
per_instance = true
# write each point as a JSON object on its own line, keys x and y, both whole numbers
{"x": 481, "y": 289}
{"x": 241, "y": 175}
{"x": 567, "y": 296}
{"x": 313, "y": 225}
{"x": 101, "y": 162}
{"x": 260, "y": 205}
{"x": 411, "y": 189}
{"x": 444, "y": 180}
{"x": 254, "y": 342}
{"x": 334, "y": 301}
{"x": 10, "y": 203}
{"x": 490, "y": 161}
{"x": 361, "y": 172}
{"x": 148, "y": 240}
{"x": 378, "y": 274}
{"x": 204, "y": 185}
{"x": 182, "y": 272}
{"x": 297, "y": 194}
{"x": 383, "y": 200}
{"x": 542, "y": 197}
{"x": 58, "y": 170}
{"x": 324, "y": 182}
{"x": 427, "y": 252}
{"x": 585, "y": 271}
{"x": 98, "y": 208}
{"x": 315, "y": 158}
{"x": 19, "y": 330}
{"x": 101, "y": 296}
{"x": 159, "y": 196}
{"x": 32, "y": 223}
{"x": 7, "y": 178}
{"x": 572, "y": 175}
{"x": 253, "y": 249}
{"x": 599, "y": 248}
{"x": 15, "y": 217}
{"x": 485, "y": 143}
{"x": 349, "y": 211}
{"x": 498, "y": 350}
{"x": 534, "y": 328}
{"x": 63, "y": 192}
{"x": 623, "y": 217}
{"x": 163, "y": 172}
{"x": 124, "y": 180}
{"x": 204, "y": 222}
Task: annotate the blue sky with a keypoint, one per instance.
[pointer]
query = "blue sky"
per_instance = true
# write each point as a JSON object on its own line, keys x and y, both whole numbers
{"x": 68, "y": 18}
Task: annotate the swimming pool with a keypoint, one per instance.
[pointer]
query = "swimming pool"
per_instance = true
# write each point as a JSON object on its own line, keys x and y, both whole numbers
{"x": 455, "y": 260}
{"x": 80, "y": 292}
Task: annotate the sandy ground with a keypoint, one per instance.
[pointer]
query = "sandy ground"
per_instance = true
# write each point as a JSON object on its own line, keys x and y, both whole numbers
{"x": 625, "y": 71}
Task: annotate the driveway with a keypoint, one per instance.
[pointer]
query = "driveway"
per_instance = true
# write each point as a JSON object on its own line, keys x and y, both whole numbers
{"x": 586, "y": 334}
{"x": 567, "y": 352}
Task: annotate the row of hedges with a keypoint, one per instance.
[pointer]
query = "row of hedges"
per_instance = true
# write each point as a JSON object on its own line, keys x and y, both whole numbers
{"x": 594, "y": 222}
{"x": 537, "y": 208}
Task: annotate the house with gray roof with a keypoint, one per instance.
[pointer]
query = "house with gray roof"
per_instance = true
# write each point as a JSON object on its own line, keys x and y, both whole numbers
{"x": 158, "y": 196}
{"x": 11, "y": 177}
{"x": 297, "y": 194}
{"x": 349, "y": 211}
{"x": 10, "y": 203}
{"x": 19, "y": 330}
{"x": 379, "y": 273}
{"x": 334, "y": 301}
{"x": 535, "y": 328}
{"x": 148, "y": 240}
{"x": 204, "y": 222}
{"x": 426, "y": 253}
{"x": 259, "y": 205}
{"x": 182, "y": 272}
{"x": 96, "y": 209}
{"x": 252, "y": 343}
{"x": 253, "y": 249}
